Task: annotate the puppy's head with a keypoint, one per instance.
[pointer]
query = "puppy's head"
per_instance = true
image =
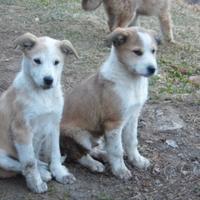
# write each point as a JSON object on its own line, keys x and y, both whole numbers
{"x": 43, "y": 58}
{"x": 136, "y": 49}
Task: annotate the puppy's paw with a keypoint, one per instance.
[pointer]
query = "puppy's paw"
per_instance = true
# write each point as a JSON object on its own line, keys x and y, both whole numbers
{"x": 39, "y": 187}
{"x": 171, "y": 41}
{"x": 62, "y": 175}
{"x": 45, "y": 175}
{"x": 141, "y": 162}
{"x": 123, "y": 174}
{"x": 67, "y": 179}
{"x": 97, "y": 167}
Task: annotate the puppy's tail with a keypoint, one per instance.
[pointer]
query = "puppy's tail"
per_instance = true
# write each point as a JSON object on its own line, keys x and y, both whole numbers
{"x": 89, "y": 5}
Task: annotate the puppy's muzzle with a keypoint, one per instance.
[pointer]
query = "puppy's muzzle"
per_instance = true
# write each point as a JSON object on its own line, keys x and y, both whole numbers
{"x": 48, "y": 82}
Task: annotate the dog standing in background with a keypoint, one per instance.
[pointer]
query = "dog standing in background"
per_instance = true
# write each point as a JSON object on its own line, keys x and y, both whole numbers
{"x": 122, "y": 13}
{"x": 108, "y": 104}
{"x": 30, "y": 114}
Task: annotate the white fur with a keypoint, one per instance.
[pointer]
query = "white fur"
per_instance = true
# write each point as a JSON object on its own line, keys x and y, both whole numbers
{"x": 29, "y": 167}
{"x": 92, "y": 164}
{"x": 42, "y": 111}
{"x": 147, "y": 58}
{"x": 46, "y": 68}
{"x": 9, "y": 163}
{"x": 59, "y": 171}
{"x": 133, "y": 91}
{"x": 114, "y": 150}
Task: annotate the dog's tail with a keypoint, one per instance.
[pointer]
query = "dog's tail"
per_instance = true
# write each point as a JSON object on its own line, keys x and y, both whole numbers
{"x": 89, "y": 5}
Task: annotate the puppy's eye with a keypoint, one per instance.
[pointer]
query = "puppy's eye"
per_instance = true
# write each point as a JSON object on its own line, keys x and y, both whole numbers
{"x": 153, "y": 51}
{"x": 37, "y": 61}
{"x": 56, "y": 62}
{"x": 138, "y": 52}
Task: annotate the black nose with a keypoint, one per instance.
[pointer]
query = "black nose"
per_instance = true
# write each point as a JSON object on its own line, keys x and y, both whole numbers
{"x": 151, "y": 69}
{"x": 48, "y": 80}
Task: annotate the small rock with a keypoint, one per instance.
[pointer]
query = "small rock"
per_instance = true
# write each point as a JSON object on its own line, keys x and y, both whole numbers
{"x": 184, "y": 172}
{"x": 156, "y": 170}
{"x": 157, "y": 182}
{"x": 37, "y": 19}
{"x": 195, "y": 80}
{"x": 171, "y": 143}
{"x": 196, "y": 169}
{"x": 167, "y": 119}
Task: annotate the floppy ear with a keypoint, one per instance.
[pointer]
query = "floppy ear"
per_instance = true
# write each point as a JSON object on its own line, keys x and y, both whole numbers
{"x": 67, "y": 48}
{"x": 25, "y": 42}
{"x": 117, "y": 37}
{"x": 156, "y": 37}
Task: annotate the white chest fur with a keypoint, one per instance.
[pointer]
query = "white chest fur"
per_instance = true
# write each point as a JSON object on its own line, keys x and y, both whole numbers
{"x": 44, "y": 103}
{"x": 132, "y": 89}
{"x": 42, "y": 109}
{"x": 133, "y": 94}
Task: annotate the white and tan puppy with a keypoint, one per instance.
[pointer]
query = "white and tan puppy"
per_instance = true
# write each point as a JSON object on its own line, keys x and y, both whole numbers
{"x": 30, "y": 114}
{"x": 122, "y": 13}
{"x": 108, "y": 104}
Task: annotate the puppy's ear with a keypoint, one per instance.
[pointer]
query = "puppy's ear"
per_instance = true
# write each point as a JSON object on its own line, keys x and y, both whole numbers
{"x": 25, "y": 42}
{"x": 89, "y": 5}
{"x": 117, "y": 37}
{"x": 67, "y": 48}
{"x": 155, "y": 36}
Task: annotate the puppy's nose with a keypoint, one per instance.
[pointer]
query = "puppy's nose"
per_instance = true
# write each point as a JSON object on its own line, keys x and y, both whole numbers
{"x": 151, "y": 69}
{"x": 48, "y": 80}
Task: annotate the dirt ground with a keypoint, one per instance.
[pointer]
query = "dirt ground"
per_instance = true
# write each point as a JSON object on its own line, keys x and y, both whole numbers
{"x": 169, "y": 128}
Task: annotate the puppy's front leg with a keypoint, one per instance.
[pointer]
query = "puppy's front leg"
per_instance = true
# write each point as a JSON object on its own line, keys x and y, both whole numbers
{"x": 115, "y": 154}
{"x": 23, "y": 143}
{"x": 59, "y": 171}
{"x": 130, "y": 144}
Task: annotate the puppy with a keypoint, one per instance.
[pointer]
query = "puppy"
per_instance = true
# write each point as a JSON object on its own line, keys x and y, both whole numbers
{"x": 30, "y": 114}
{"x": 122, "y": 13}
{"x": 108, "y": 104}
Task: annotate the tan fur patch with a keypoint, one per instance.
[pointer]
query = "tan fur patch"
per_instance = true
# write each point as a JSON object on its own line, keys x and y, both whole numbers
{"x": 92, "y": 107}
{"x": 12, "y": 123}
{"x": 6, "y": 116}
{"x": 89, "y": 106}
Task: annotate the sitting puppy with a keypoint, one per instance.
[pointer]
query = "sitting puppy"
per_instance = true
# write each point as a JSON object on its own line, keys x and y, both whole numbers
{"x": 30, "y": 114}
{"x": 122, "y": 13}
{"x": 109, "y": 103}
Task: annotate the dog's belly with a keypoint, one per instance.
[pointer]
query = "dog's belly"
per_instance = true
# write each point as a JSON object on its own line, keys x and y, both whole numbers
{"x": 151, "y": 7}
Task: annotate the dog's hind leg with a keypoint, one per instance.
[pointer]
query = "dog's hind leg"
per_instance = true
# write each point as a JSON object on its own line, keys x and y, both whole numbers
{"x": 9, "y": 164}
{"x": 135, "y": 20}
{"x": 166, "y": 26}
{"x": 44, "y": 171}
{"x": 94, "y": 165}
{"x": 99, "y": 154}
{"x": 77, "y": 145}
